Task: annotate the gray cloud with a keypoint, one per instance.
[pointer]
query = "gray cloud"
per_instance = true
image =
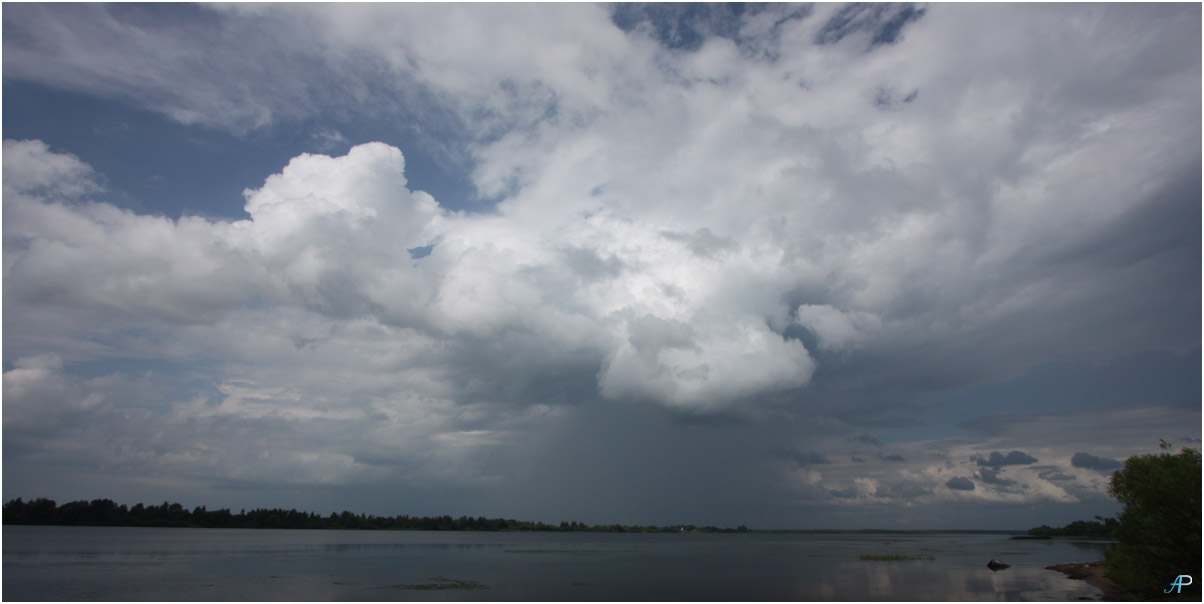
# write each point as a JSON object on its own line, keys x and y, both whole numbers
{"x": 1091, "y": 462}
{"x": 130, "y": 54}
{"x": 1055, "y": 474}
{"x": 960, "y": 483}
{"x": 590, "y": 266}
{"x": 905, "y": 490}
{"x": 1013, "y": 458}
{"x": 869, "y": 440}
{"x": 846, "y": 493}
{"x": 804, "y": 458}
{"x": 992, "y": 477}
{"x": 701, "y": 242}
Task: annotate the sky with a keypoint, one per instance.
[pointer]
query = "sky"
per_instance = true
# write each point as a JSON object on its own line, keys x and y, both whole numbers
{"x": 785, "y": 266}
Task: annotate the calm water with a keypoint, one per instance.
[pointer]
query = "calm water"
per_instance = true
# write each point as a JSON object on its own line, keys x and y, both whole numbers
{"x": 109, "y": 563}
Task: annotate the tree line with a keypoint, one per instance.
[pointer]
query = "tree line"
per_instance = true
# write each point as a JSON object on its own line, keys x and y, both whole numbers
{"x": 106, "y": 512}
{"x": 1101, "y": 528}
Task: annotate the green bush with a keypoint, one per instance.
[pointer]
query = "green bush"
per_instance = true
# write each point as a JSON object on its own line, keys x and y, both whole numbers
{"x": 1159, "y": 532}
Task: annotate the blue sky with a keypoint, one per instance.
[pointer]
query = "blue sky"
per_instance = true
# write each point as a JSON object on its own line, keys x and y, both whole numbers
{"x": 831, "y": 266}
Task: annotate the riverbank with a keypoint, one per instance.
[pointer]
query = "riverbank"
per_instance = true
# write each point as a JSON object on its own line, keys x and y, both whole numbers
{"x": 1093, "y": 574}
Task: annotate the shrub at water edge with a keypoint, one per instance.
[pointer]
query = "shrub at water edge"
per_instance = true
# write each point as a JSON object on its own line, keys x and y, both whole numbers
{"x": 1159, "y": 531}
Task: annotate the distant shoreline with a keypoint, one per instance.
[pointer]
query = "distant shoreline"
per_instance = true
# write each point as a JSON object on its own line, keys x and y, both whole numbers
{"x": 106, "y": 512}
{"x": 895, "y": 531}
{"x": 673, "y": 529}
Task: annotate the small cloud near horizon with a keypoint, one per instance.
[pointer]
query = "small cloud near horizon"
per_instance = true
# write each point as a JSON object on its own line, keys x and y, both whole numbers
{"x": 1014, "y": 458}
{"x": 1091, "y": 462}
{"x": 960, "y": 483}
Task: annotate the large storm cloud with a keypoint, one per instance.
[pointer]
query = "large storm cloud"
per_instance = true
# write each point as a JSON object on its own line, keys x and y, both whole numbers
{"x": 759, "y": 233}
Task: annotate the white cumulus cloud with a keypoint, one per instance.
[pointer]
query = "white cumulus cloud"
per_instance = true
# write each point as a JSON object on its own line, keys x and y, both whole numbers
{"x": 953, "y": 199}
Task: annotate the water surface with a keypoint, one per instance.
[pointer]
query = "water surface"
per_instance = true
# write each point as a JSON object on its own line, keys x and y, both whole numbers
{"x": 120, "y": 563}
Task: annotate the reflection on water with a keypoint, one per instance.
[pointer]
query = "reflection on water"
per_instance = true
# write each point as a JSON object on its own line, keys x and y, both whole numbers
{"x": 359, "y": 547}
{"x": 108, "y": 563}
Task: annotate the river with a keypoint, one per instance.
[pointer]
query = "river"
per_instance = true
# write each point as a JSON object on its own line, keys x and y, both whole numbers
{"x": 119, "y": 563}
